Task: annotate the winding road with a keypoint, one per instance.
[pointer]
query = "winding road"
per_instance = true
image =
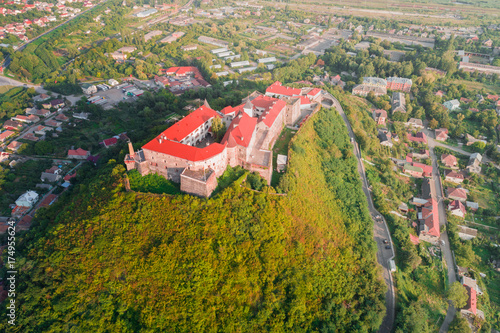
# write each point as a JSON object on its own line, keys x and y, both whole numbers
{"x": 380, "y": 229}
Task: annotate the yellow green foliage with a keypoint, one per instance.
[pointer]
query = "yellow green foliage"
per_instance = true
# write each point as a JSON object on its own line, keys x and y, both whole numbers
{"x": 243, "y": 261}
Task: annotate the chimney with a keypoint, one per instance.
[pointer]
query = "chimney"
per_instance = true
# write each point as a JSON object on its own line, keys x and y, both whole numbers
{"x": 160, "y": 140}
{"x": 131, "y": 149}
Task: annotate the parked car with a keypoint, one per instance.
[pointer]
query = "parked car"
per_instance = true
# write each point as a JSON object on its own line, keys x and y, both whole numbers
{"x": 388, "y": 247}
{"x": 386, "y": 241}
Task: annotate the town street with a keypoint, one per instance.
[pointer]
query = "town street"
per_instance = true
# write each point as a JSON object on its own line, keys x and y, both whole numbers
{"x": 380, "y": 229}
{"x": 445, "y": 248}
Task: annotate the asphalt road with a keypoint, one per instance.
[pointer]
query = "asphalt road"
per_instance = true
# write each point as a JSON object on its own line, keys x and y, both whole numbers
{"x": 380, "y": 230}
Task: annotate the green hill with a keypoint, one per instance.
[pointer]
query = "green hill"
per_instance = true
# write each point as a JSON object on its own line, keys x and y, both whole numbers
{"x": 106, "y": 260}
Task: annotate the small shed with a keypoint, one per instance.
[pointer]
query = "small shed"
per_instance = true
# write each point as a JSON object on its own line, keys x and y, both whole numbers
{"x": 281, "y": 163}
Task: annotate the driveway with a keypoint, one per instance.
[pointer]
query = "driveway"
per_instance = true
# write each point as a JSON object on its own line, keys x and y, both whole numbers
{"x": 380, "y": 229}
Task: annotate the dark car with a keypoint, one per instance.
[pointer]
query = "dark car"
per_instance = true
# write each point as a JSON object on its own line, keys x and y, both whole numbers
{"x": 388, "y": 247}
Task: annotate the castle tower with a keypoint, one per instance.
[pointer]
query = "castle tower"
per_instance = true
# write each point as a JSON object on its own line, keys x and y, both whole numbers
{"x": 131, "y": 149}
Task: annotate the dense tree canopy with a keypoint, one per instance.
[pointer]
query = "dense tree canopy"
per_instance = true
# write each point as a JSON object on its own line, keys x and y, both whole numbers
{"x": 106, "y": 260}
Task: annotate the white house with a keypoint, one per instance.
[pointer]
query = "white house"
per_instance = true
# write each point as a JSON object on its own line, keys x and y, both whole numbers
{"x": 452, "y": 105}
{"x": 27, "y": 199}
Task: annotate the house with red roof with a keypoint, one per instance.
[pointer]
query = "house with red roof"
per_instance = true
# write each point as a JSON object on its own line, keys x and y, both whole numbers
{"x": 12, "y": 125}
{"x": 456, "y": 194}
{"x": 449, "y": 160}
{"x": 186, "y": 153}
{"x": 420, "y": 137}
{"x": 5, "y": 135}
{"x": 379, "y": 116}
{"x": 14, "y": 145}
{"x": 441, "y": 134}
{"x": 493, "y": 98}
{"x": 78, "y": 154}
{"x": 453, "y": 176}
{"x": 428, "y": 218}
{"x": 457, "y": 208}
{"x": 162, "y": 81}
{"x": 109, "y": 142}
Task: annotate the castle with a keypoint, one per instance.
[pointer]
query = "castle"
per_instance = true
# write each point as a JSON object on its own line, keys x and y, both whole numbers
{"x": 187, "y": 154}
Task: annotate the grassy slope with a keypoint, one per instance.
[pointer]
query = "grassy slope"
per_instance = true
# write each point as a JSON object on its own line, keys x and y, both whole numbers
{"x": 242, "y": 261}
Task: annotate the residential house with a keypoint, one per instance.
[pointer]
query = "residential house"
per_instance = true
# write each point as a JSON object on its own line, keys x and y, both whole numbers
{"x": 423, "y": 154}
{"x": 379, "y": 116}
{"x": 398, "y": 102}
{"x": 57, "y": 103}
{"x": 51, "y": 175}
{"x": 449, "y": 161}
{"x": 12, "y": 125}
{"x": 21, "y": 118}
{"x": 474, "y": 165}
{"x": 420, "y": 137}
{"x": 41, "y": 130}
{"x": 428, "y": 218}
{"x": 89, "y": 89}
{"x": 441, "y": 134}
{"x": 78, "y": 154}
{"x": 453, "y": 176}
{"x": 109, "y": 142}
{"x": 456, "y": 194}
{"x": 41, "y": 98}
{"x": 415, "y": 123}
{"x": 5, "y": 135}
{"x": 14, "y": 145}
{"x": 385, "y": 138}
{"x": 457, "y": 208}
{"x": 27, "y": 199}
{"x": 452, "y": 105}
{"x": 52, "y": 123}
{"x": 61, "y": 117}
{"x": 413, "y": 171}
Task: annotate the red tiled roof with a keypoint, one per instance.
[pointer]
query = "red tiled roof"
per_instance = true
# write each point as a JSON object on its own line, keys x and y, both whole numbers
{"x": 277, "y": 88}
{"x": 68, "y": 177}
{"x": 110, "y": 142}
{"x": 4, "y": 135}
{"x": 313, "y": 92}
{"x": 273, "y": 108}
{"x": 432, "y": 218}
{"x": 456, "y": 204}
{"x": 230, "y": 109}
{"x": 453, "y": 174}
{"x": 426, "y": 168}
{"x": 304, "y": 100}
{"x": 240, "y": 130}
{"x": 456, "y": 192}
{"x": 472, "y": 301}
{"x": 448, "y": 159}
{"x": 183, "y": 151}
{"x": 77, "y": 152}
{"x": 188, "y": 124}
{"x": 419, "y": 137}
{"x": 49, "y": 199}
